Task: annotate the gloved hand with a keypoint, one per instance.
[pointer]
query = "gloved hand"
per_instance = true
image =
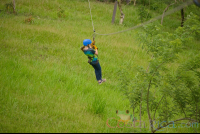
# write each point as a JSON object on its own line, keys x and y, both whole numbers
{"x": 93, "y": 45}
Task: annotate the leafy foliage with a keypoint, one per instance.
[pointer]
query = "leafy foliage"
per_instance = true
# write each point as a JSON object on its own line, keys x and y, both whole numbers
{"x": 164, "y": 92}
{"x": 143, "y": 13}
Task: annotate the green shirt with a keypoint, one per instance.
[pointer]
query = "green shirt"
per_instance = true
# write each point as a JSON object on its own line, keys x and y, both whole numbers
{"x": 91, "y": 55}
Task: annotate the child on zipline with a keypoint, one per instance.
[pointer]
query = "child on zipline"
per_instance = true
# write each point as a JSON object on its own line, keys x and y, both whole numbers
{"x": 91, "y": 51}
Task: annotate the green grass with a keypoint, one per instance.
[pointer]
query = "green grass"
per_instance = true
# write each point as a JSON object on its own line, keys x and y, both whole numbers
{"x": 47, "y": 84}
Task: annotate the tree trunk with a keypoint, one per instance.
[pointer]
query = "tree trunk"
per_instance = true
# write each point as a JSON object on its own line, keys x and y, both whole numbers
{"x": 114, "y": 12}
{"x": 182, "y": 16}
{"x": 127, "y": 2}
{"x": 134, "y": 2}
{"x": 148, "y": 111}
{"x": 122, "y": 14}
{"x": 141, "y": 112}
{"x": 149, "y": 5}
{"x": 149, "y": 86}
{"x": 164, "y": 12}
{"x": 14, "y": 6}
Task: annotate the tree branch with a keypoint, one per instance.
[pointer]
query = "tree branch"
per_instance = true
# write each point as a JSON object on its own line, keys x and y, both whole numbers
{"x": 157, "y": 69}
{"x": 180, "y": 106}
{"x": 150, "y": 120}
{"x": 173, "y": 122}
{"x": 151, "y": 123}
{"x": 157, "y": 107}
{"x": 165, "y": 11}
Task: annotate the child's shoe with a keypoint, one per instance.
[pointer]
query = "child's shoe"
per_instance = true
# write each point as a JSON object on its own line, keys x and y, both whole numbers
{"x": 103, "y": 80}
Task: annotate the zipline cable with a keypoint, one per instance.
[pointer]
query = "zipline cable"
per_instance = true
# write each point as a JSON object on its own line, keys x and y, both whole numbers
{"x": 189, "y": 2}
{"x": 91, "y": 20}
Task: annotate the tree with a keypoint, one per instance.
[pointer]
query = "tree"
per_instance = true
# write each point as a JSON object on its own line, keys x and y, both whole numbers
{"x": 167, "y": 95}
{"x": 121, "y": 12}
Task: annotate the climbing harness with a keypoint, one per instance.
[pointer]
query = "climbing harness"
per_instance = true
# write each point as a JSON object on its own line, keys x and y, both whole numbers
{"x": 189, "y": 2}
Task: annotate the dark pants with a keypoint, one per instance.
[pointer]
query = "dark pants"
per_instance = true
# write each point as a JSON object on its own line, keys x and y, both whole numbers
{"x": 97, "y": 69}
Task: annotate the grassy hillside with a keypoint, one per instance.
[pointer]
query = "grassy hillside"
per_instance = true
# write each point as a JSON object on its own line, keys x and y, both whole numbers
{"x": 47, "y": 84}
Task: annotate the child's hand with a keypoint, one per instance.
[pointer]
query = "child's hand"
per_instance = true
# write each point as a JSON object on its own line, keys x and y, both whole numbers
{"x": 93, "y": 45}
{"x": 93, "y": 42}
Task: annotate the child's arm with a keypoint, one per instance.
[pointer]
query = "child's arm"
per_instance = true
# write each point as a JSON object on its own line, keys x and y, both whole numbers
{"x": 96, "y": 52}
{"x": 93, "y": 45}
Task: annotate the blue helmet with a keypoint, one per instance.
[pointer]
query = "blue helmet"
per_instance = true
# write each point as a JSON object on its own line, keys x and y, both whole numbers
{"x": 87, "y": 42}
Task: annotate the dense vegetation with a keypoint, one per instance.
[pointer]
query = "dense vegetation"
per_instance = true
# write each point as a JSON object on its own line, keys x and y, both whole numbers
{"x": 48, "y": 86}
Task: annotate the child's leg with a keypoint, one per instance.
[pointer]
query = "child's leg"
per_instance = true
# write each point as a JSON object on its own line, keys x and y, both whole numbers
{"x": 97, "y": 68}
{"x": 99, "y": 73}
